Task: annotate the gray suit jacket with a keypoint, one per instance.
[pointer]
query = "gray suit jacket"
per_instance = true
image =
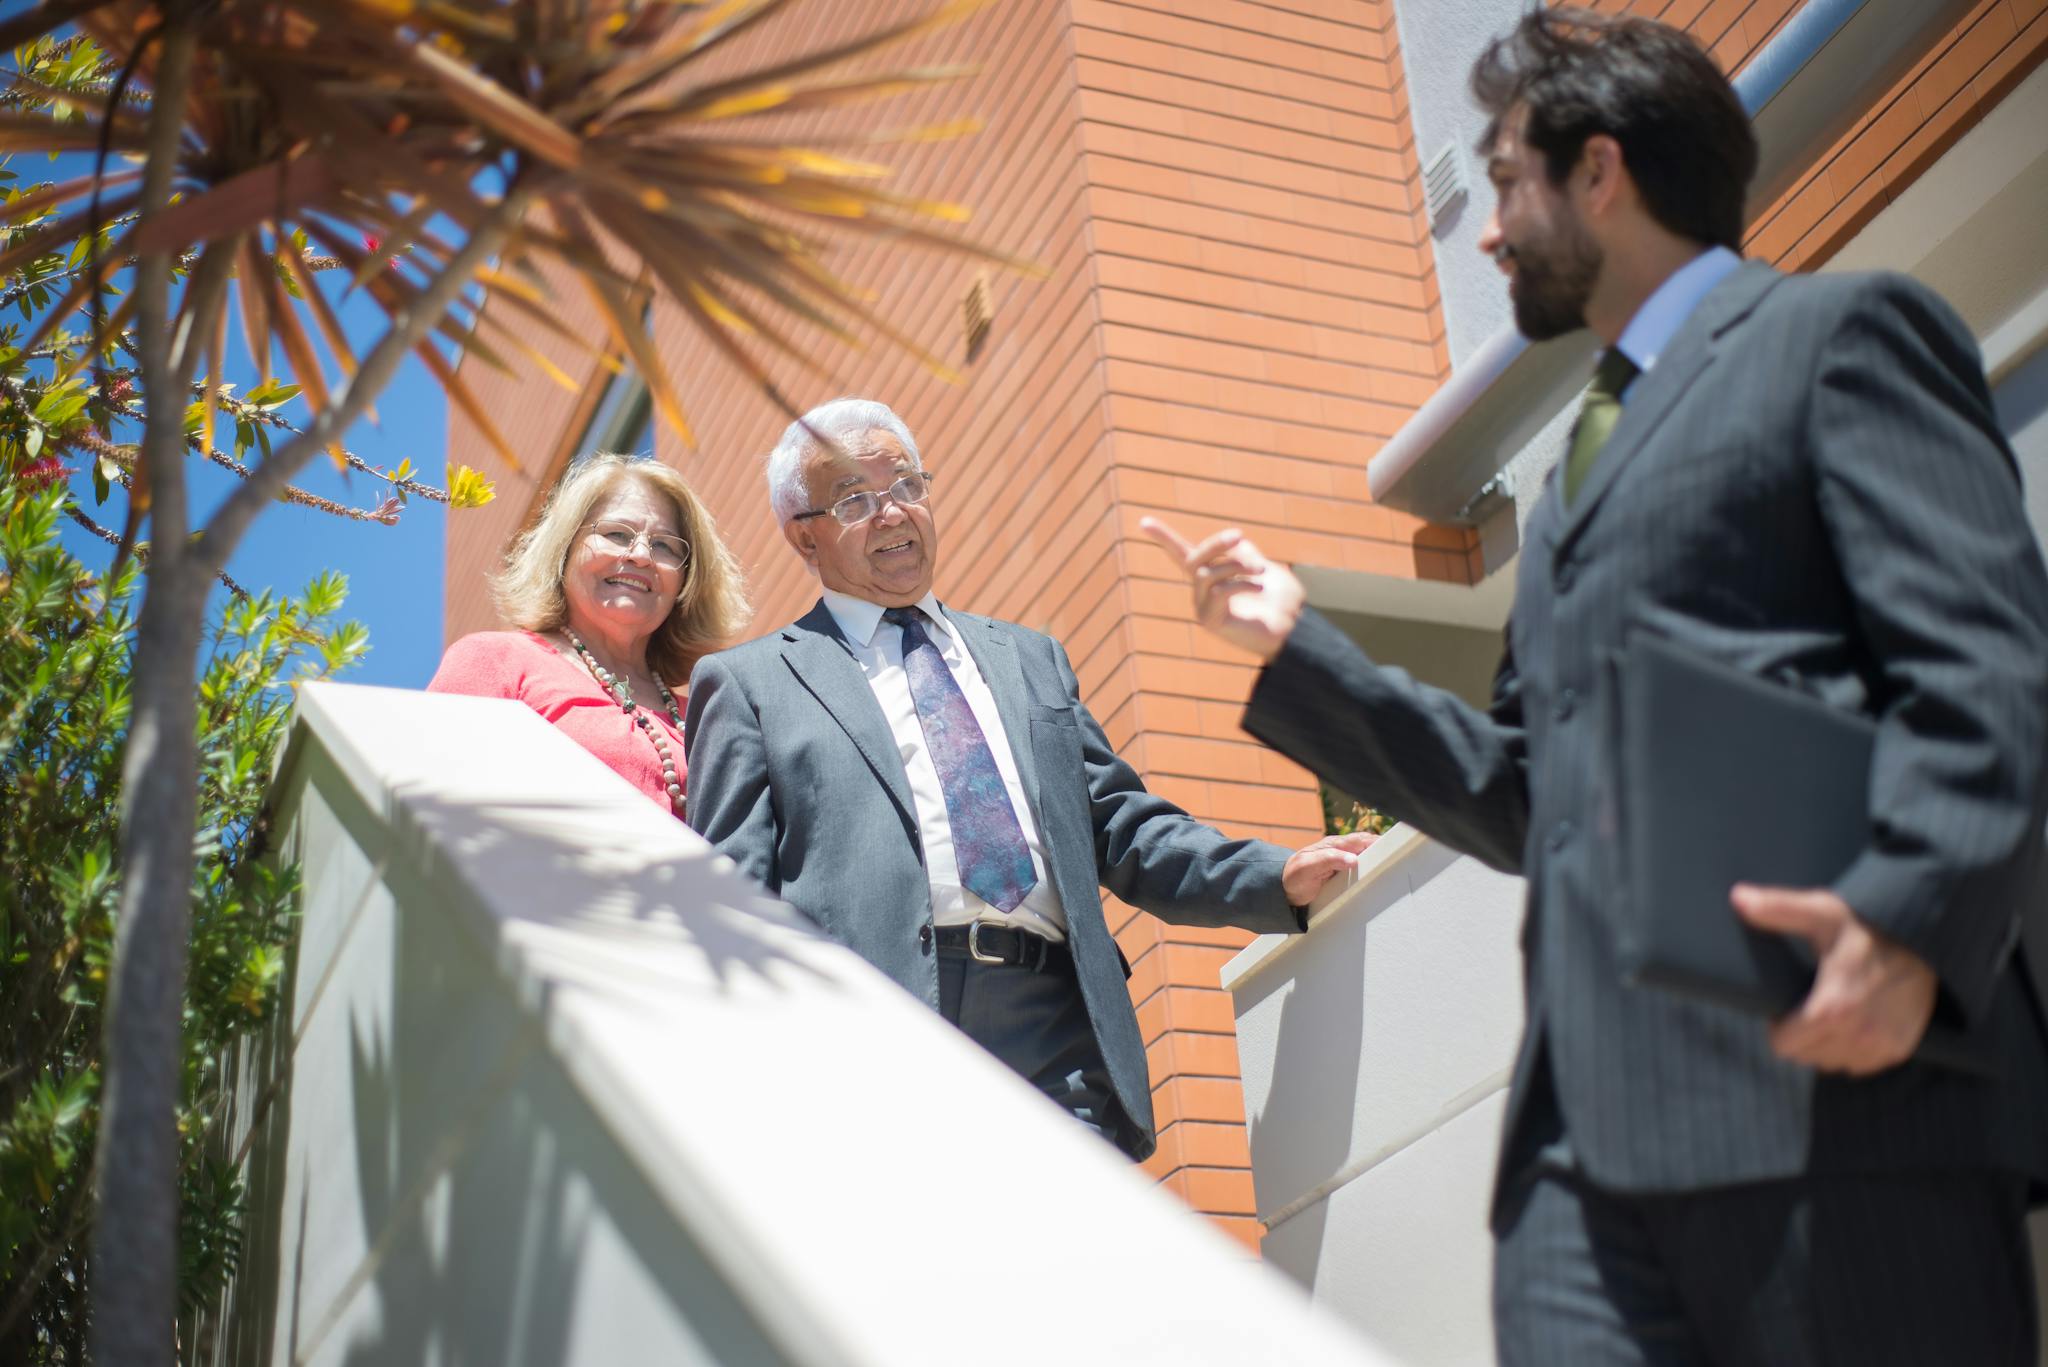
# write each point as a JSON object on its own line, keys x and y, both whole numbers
{"x": 1809, "y": 485}
{"x": 794, "y": 774}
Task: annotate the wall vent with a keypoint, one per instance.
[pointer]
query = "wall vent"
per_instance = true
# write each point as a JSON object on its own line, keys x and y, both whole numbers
{"x": 1443, "y": 187}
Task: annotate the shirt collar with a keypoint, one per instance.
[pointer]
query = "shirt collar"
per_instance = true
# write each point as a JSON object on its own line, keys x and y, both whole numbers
{"x": 1649, "y": 333}
{"x": 858, "y": 618}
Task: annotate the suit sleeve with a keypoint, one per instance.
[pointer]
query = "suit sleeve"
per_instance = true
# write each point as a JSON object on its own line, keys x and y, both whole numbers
{"x": 1922, "y": 502}
{"x": 1155, "y": 856}
{"x": 729, "y": 802}
{"x": 1418, "y": 753}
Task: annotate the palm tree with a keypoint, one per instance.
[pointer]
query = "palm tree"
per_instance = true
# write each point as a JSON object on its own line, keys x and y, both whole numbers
{"x": 454, "y": 155}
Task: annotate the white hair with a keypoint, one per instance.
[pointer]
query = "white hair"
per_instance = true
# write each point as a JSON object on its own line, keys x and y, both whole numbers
{"x": 842, "y": 423}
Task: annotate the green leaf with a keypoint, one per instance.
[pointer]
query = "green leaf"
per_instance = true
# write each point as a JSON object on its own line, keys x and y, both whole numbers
{"x": 324, "y": 596}
{"x": 47, "y": 402}
{"x": 271, "y": 394}
{"x": 101, "y": 485}
{"x": 61, "y": 413}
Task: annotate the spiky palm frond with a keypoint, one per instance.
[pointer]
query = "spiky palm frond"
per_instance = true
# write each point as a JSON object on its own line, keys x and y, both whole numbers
{"x": 355, "y": 124}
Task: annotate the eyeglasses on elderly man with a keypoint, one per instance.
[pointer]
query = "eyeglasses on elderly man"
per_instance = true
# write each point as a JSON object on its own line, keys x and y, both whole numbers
{"x": 855, "y": 509}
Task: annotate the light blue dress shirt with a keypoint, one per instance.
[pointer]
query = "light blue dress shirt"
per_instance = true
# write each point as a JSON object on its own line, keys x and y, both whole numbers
{"x": 1649, "y": 333}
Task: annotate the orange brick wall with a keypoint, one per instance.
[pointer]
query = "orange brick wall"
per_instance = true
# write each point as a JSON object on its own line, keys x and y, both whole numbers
{"x": 1268, "y": 318}
{"x": 1239, "y": 308}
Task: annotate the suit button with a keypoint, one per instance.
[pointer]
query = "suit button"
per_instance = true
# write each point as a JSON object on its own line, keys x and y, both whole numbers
{"x": 924, "y": 938}
{"x": 1567, "y": 574}
{"x": 1559, "y": 835}
{"x": 1566, "y": 702}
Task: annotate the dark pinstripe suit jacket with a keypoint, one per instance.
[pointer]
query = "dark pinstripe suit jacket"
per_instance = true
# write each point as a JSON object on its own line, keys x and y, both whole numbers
{"x": 1810, "y": 485}
{"x": 795, "y": 775}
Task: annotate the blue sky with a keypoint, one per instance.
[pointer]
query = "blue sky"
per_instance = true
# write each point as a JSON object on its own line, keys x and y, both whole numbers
{"x": 394, "y": 573}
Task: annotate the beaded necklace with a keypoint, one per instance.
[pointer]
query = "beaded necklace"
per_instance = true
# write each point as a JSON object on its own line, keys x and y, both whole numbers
{"x": 622, "y": 693}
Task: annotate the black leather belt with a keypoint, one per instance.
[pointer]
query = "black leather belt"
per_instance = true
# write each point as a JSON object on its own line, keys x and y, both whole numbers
{"x": 989, "y": 943}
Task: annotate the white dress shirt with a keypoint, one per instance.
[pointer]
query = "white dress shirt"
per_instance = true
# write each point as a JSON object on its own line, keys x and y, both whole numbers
{"x": 878, "y": 646}
{"x": 1650, "y": 331}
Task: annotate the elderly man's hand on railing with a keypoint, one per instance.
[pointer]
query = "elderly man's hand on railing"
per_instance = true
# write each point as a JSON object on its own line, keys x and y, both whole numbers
{"x": 1312, "y": 866}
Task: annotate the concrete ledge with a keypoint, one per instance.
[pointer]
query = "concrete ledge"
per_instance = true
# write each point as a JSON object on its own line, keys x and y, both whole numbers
{"x": 1375, "y": 1051}
{"x": 560, "y": 1085}
{"x": 1398, "y": 1011}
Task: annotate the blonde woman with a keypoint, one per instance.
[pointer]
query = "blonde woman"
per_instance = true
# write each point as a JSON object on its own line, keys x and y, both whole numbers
{"x": 617, "y": 590}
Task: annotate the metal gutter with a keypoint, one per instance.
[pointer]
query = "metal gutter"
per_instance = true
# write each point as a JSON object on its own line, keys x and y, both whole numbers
{"x": 1803, "y": 90}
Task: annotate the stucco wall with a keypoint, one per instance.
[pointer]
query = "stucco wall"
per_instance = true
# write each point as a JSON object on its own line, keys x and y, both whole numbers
{"x": 1439, "y": 42}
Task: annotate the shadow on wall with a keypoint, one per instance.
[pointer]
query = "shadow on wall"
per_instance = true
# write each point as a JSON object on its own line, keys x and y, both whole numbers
{"x": 606, "y": 896}
{"x": 1306, "y": 1124}
{"x": 456, "y": 1198}
{"x": 1381, "y": 1044}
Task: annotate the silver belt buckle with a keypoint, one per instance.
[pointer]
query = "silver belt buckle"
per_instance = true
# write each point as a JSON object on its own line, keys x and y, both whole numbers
{"x": 974, "y": 943}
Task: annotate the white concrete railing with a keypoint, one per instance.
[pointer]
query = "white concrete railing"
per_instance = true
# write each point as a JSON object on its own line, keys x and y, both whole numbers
{"x": 557, "y": 1086}
{"x": 1375, "y": 1052}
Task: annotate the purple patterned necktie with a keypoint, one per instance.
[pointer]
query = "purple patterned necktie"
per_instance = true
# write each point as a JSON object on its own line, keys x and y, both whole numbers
{"x": 988, "y": 844}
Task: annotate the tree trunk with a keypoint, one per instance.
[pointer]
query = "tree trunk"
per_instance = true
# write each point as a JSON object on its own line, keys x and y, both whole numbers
{"x": 135, "y": 1246}
{"x": 134, "y": 1267}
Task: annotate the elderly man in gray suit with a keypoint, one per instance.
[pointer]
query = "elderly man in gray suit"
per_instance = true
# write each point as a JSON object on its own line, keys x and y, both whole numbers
{"x": 1801, "y": 477}
{"x": 928, "y": 786}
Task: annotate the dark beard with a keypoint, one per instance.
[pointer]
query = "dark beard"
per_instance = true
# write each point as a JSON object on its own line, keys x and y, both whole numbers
{"x": 1551, "y": 288}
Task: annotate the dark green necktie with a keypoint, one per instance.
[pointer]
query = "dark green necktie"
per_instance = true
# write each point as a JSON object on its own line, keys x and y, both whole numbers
{"x": 1597, "y": 416}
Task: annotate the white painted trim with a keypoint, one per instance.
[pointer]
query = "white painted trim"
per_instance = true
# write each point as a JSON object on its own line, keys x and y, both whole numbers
{"x": 1380, "y": 860}
{"x": 2008, "y": 346}
{"x": 1482, "y": 607}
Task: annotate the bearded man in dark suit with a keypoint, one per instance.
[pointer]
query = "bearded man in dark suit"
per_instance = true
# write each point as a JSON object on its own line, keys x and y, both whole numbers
{"x": 1801, "y": 477}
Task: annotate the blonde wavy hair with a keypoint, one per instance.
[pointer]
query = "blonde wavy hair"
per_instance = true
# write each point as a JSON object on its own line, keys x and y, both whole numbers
{"x": 710, "y": 611}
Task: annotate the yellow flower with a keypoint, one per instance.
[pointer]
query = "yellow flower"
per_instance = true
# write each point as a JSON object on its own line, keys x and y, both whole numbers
{"x": 467, "y": 488}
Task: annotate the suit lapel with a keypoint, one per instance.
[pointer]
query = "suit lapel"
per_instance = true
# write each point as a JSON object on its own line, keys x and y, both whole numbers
{"x": 1652, "y": 397}
{"x": 819, "y": 657}
{"x": 996, "y": 657}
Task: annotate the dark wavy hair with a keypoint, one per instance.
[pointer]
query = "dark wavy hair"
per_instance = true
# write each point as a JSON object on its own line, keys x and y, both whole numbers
{"x": 1684, "y": 136}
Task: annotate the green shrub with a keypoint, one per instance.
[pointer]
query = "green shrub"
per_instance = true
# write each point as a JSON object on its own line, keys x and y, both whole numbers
{"x": 66, "y": 643}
